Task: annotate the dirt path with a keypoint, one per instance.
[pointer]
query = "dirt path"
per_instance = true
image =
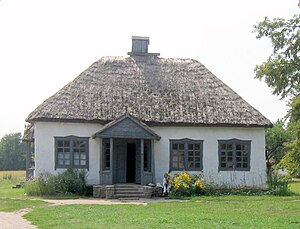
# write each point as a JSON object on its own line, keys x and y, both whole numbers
{"x": 14, "y": 220}
{"x": 104, "y": 201}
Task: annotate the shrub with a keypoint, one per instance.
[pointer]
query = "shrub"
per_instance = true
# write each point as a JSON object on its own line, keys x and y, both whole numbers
{"x": 278, "y": 184}
{"x": 185, "y": 184}
{"x": 68, "y": 182}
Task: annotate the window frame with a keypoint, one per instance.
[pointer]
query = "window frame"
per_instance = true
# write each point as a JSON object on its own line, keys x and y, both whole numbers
{"x": 71, "y": 140}
{"x": 186, "y": 142}
{"x": 234, "y": 142}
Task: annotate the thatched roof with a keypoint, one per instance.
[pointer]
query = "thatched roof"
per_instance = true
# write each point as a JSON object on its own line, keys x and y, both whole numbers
{"x": 155, "y": 90}
{"x": 28, "y": 135}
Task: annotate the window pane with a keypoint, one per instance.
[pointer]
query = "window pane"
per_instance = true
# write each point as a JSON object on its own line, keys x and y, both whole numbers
{"x": 61, "y": 162}
{"x": 191, "y": 165}
{"x": 60, "y": 143}
{"x": 76, "y": 155}
{"x": 245, "y": 165}
{"x": 239, "y": 165}
{"x": 82, "y": 162}
{"x": 76, "y": 162}
{"x": 66, "y": 143}
{"x": 83, "y": 156}
{"x": 67, "y": 162}
{"x": 190, "y": 159}
{"x": 197, "y": 146}
{"x": 244, "y": 147}
{"x": 229, "y": 153}
{"x": 238, "y": 147}
{"x": 229, "y": 146}
{"x": 175, "y": 146}
{"x": 67, "y": 155}
{"x": 60, "y": 156}
{"x": 238, "y": 153}
{"x": 181, "y": 165}
{"x": 197, "y": 153}
{"x": 181, "y": 146}
{"x": 197, "y": 165}
{"x": 191, "y": 154}
{"x": 223, "y": 165}
{"x": 223, "y": 146}
{"x": 190, "y": 146}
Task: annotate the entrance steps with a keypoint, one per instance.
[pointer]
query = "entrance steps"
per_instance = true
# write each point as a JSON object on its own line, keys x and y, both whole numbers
{"x": 129, "y": 191}
{"x": 122, "y": 191}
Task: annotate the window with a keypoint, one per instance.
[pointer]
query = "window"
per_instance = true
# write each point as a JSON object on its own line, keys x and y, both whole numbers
{"x": 106, "y": 154}
{"x": 71, "y": 152}
{"x": 234, "y": 155}
{"x": 186, "y": 154}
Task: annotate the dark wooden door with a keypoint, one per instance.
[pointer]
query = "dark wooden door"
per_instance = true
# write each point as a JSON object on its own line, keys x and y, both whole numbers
{"x": 131, "y": 163}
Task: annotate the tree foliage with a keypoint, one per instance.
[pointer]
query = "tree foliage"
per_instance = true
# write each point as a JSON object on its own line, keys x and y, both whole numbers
{"x": 282, "y": 69}
{"x": 276, "y": 138}
{"x": 12, "y": 152}
{"x": 281, "y": 72}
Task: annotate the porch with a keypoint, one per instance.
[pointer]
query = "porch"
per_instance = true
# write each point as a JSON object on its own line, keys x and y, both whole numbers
{"x": 126, "y": 152}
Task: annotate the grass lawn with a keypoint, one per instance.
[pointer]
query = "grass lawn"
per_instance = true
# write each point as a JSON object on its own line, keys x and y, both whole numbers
{"x": 201, "y": 212}
{"x": 15, "y": 199}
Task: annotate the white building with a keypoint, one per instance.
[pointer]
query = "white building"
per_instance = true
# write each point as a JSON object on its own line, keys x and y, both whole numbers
{"x": 131, "y": 119}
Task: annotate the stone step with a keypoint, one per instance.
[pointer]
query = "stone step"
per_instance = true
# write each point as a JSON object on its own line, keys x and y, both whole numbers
{"x": 128, "y": 191}
{"x": 127, "y": 195}
{"x": 129, "y": 186}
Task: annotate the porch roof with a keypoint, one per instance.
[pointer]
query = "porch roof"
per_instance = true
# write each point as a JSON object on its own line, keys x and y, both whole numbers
{"x": 126, "y": 126}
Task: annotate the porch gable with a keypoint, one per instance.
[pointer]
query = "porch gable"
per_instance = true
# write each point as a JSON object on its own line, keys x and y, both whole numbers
{"x": 127, "y": 126}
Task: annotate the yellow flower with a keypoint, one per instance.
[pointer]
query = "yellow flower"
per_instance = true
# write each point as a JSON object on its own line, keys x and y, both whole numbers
{"x": 199, "y": 184}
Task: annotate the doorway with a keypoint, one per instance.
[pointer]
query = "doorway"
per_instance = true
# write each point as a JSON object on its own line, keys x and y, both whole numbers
{"x": 131, "y": 163}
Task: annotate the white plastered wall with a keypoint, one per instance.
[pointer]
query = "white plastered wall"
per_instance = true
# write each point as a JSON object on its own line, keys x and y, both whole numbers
{"x": 45, "y": 151}
{"x": 210, "y": 136}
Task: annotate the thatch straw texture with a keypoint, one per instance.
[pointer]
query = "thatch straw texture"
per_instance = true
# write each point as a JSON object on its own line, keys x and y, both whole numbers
{"x": 155, "y": 90}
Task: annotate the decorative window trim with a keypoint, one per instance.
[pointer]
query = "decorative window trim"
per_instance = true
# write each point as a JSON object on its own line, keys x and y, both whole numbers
{"x": 71, "y": 140}
{"x": 234, "y": 142}
{"x": 186, "y": 142}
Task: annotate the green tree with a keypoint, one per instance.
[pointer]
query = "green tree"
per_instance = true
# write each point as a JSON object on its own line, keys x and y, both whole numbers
{"x": 12, "y": 152}
{"x": 282, "y": 69}
{"x": 281, "y": 72}
{"x": 276, "y": 138}
{"x": 291, "y": 159}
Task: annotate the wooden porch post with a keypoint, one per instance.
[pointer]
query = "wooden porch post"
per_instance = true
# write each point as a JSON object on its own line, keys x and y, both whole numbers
{"x": 153, "y": 162}
{"x": 111, "y": 159}
{"x": 100, "y": 161}
{"x": 142, "y": 161}
{"x": 28, "y": 159}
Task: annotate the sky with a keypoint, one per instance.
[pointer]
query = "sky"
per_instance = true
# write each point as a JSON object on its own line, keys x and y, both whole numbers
{"x": 46, "y": 44}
